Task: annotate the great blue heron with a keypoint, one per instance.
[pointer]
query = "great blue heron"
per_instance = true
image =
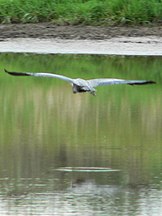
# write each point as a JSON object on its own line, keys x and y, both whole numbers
{"x": 81, "y": 85}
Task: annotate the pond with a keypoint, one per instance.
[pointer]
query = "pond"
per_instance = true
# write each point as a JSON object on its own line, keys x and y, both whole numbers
{"x": 78, "y": 154}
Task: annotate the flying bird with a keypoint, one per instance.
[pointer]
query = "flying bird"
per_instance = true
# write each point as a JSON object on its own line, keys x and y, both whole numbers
{"x": 81, "y": 85}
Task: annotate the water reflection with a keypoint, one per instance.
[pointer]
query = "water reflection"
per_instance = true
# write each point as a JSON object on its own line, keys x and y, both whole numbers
{"x": 44, "y": 126}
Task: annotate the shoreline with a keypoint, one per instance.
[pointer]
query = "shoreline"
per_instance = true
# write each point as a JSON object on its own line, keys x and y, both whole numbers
{"x": 136, "y": 46}
{"x": 48, "y": 38}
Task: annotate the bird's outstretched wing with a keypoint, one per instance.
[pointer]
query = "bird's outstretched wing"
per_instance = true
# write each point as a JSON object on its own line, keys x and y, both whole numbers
{"x": 111, "y": 81}
{"x": 50, "y": 75}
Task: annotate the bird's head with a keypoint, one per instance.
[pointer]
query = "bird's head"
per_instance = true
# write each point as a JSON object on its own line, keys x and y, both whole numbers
{"x": 93, "y": 92}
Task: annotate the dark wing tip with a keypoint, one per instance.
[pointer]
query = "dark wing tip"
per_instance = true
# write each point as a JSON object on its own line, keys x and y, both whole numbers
{"x": 16, "y": 73}
{"x": 151, "y": 82}
{"x": 143, "y": 83}
{"x": 6, "y": 70}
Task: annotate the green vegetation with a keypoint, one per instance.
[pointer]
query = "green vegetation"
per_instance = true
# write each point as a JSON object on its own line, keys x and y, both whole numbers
{"x": 106, "y": 12}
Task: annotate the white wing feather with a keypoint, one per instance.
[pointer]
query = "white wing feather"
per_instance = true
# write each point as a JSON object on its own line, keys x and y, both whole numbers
{"x": 112, "y": 81}
{"x": 53, "y": 76}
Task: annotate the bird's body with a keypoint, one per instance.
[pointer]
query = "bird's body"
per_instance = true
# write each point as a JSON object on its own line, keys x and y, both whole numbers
{"x": 81, "y": 85}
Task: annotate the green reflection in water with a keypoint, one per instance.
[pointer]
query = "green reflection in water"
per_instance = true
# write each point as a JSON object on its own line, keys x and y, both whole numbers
{"x": 44, "y": 126}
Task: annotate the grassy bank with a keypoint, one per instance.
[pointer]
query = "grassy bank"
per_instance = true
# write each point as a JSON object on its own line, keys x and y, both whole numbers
{"x": 94, "y": 12}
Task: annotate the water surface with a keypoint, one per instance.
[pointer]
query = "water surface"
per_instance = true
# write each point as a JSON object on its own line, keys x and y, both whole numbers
{"x": 44, "y": 126}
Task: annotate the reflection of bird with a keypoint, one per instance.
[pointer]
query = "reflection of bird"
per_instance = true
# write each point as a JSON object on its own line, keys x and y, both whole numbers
{"x": 81, "y": 85}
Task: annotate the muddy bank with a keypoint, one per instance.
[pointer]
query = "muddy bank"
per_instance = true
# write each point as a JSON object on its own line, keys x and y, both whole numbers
{"x": 48, "y": 30}
{"x": 48, "y": 38}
